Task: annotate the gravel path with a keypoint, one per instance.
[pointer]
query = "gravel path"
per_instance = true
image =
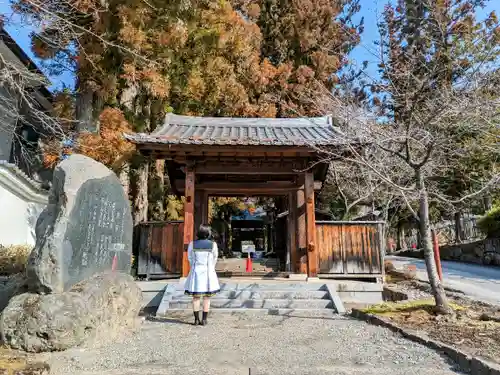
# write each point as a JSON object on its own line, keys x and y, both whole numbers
{"x": 231, "y": 344}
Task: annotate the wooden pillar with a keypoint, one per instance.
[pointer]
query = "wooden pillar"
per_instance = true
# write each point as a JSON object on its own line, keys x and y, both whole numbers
{"x": 300, "y": 217}
{"x": 188, "y": 218}
{"x": 204, "y": 207}
{"x": 312, "y": 253}
{"x": 292, "y": 231}
{"x": 198, "y": 212}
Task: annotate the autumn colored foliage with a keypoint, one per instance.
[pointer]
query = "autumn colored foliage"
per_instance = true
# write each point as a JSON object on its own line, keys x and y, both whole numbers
{"x": 308, "y": 41}
{"x": 136, "y": 60}
{"x": 108, "y": 145}
{"x": 234, "y": 58}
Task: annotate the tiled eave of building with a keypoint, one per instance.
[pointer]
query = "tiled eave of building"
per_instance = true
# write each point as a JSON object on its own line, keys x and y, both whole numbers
{"x": 19, "y": 183}
{"x": 224, "y": 131}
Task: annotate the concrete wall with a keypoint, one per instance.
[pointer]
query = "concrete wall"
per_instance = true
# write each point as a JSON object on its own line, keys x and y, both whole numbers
{"x": 21, "y": 202}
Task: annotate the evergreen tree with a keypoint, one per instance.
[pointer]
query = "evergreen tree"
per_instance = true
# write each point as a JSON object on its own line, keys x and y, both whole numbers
{"x": 308, "y": 41}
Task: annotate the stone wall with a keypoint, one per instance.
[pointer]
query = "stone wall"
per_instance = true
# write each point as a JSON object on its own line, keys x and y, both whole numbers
{"x": 480, "y": 252}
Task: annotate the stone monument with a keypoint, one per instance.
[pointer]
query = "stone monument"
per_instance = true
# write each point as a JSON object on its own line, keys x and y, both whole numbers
{"x": 78, "y": 282}
{"x": 85, "y": 227}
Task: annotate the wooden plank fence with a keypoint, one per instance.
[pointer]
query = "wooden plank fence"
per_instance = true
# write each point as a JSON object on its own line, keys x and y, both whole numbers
{"x": 345, "y": 248}
{"x": 160, "y": 247}
{"x": 350, "y": 247}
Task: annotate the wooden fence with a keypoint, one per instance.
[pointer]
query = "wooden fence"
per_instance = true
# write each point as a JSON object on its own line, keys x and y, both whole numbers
{"x": 350, "y": 247}
{"x": 347, "y": 248}
{"x": 160, "y": 246}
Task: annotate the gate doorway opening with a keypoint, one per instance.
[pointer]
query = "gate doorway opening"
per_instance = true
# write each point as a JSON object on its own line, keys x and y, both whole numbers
{"x": 247, "y": 226}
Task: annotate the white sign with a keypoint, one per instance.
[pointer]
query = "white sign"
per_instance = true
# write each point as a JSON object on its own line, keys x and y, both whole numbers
{"x": 117, "y": 247}
{"x": 248, "y": 248}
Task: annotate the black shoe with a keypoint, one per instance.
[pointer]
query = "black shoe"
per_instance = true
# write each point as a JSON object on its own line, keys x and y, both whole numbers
{"x": 196, "y": 318}
{"x": 204, "y": 320}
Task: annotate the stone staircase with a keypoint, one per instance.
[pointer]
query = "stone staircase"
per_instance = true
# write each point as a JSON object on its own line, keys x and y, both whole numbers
{"x": 280, "y": 297}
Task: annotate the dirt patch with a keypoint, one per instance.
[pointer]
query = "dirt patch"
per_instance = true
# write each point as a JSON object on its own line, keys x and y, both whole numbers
{"x": 14, "y": 362}
{"x": 472, "y": 328}
{"x": 13, "y": 259}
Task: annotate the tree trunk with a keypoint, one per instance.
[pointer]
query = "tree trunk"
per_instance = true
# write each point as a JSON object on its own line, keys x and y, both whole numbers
{"x": 88, "y": 107}
{"x": 157, "y": 190}
{"x": 124, "y": 176}
{"x": 140, "y": 206}
{"x": 400, "y": 236}
{"x": 141, "y": 202}
{"x": 487, "y": 202}
{"x": 459, "y": 233}
{"x": 84, "y": 108}
{"x": 442, "y": 305}
{"x": 157, "y": 167}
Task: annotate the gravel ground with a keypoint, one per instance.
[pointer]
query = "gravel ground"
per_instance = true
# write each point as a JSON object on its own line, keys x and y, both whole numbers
{"x": 231, "y": 344}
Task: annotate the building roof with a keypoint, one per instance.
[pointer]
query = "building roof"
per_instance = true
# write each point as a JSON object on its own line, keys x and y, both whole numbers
{"x": 19, "y": 183}
{"x": 25, "y": 59}
{"x": 229, "y": 131}
{"x": 15, "y": 170}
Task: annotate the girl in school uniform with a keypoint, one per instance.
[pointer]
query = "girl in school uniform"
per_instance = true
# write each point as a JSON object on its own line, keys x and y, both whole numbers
{"x": 202, "y": 279}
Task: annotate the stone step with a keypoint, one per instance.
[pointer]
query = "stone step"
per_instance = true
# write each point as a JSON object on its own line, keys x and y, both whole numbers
{"x": 255, "y": 286}
{"x": 258, "y": 304}
{"x": 187, "y": 312}
{"x": 262, "y": 294}
{"x": 250, "y": 294}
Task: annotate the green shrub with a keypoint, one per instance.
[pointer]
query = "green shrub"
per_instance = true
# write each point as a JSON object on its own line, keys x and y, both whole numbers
{"x": 13, "y": 258}
{"x": 490, "y": 223}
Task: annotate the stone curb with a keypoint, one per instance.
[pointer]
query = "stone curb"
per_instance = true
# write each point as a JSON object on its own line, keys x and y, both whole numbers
{"x": 334, "y": 297}
{"x": 166, "y": 299}
{"x": 466, "y": 362}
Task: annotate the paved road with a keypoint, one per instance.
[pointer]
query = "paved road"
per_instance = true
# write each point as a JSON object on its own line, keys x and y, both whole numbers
{"x": 478, "y": 282}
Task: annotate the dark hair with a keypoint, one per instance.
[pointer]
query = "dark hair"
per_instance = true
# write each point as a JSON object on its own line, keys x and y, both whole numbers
{"x": 204, "y": 232}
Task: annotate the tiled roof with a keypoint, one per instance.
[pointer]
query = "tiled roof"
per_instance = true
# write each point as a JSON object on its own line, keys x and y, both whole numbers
{"x": 20, "y": 184}
{"x": 14, "y": 169}
{"x": 223, "y": 131}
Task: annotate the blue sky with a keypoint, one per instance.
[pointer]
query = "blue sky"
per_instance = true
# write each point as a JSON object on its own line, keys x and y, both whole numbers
{"x": 370, "y": 10}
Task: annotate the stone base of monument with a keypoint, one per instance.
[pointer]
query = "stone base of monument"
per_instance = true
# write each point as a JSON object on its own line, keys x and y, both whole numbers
{"x": 17, "y": 284}
{"x": 102, "y": 306}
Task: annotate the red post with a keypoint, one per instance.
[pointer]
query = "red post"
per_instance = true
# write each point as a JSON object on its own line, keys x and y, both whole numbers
{"x": 114, "y": 265}
{"x": 249, "y": 266}
{"x": 437, "y": 255}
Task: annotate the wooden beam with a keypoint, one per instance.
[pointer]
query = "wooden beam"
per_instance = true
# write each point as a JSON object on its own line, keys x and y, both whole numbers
{"x": 312, "y": 251}
{"x": 188, "y": 218}
{"x": 292, "y": 231}
{"x": 251, "y": 193}
{"x": 259, "y": 167}
{"x": 225, "y": 186}
{"x": 317, "y": 186}
{"x": 219, "y": 149}
{"x": 247, "y": 185}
